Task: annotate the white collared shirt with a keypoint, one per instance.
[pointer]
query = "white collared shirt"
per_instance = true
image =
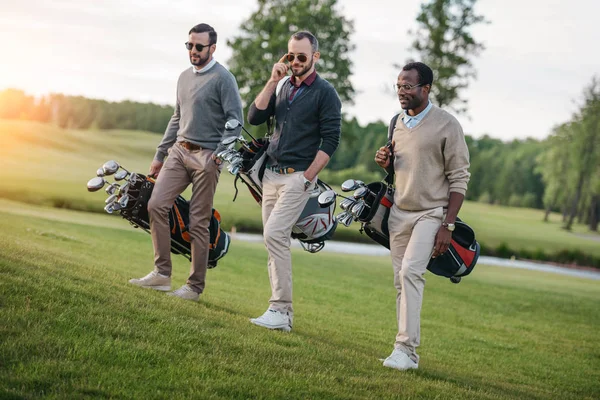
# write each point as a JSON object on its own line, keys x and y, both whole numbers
{"x": 205, "y": 68}
{"x": 412, "y": 120}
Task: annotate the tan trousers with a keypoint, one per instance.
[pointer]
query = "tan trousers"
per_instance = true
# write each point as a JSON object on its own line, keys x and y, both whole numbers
{"x": 412, "y": 237}
{"x": 182, "y": 168}
{"x": 283, "y": 201}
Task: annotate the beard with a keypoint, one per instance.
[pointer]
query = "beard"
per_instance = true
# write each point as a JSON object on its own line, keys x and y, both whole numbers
{"x": 199, "y": 60}
{"x": 411, "y": 103}
{"x": 305, "y": 69}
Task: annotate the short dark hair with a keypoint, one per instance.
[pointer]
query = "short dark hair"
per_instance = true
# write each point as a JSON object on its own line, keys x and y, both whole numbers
{"x": 212, "y": 35}
{"x": 314, "y": 43}
{"x": 425, "y": 73}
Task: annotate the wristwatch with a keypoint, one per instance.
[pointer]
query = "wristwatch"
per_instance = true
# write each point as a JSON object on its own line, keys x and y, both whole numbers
{"x": 306, "y": 182}
{"x": 448, "y": 226}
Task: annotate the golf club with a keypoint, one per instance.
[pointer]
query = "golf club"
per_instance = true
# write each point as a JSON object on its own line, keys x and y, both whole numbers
{"x": 95, "y": 184}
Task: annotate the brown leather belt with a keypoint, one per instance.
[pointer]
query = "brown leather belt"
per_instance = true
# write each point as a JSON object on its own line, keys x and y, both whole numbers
{"x": 189, "y": 146}
{"x": 280, "y": 170}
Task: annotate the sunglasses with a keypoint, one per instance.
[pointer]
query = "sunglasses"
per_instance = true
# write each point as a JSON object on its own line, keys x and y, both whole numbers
{"x": 198, "y": 46}
{"x": 301, "y": 57}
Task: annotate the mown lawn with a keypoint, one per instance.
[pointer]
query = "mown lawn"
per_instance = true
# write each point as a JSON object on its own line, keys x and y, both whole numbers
{"x": 73, "y": 328}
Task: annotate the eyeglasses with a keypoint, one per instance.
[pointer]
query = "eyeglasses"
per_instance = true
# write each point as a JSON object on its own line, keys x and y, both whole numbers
{"x": 198, "y": 46}
{"x": 406, "y": 87}
{"x": 301, "y": 57}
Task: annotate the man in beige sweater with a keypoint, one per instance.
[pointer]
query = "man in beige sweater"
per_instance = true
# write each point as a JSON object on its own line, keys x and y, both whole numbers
{"x": 430, "y": 161}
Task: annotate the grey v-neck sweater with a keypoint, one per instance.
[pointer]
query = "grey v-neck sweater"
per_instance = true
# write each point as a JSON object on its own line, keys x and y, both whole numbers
{"x": 205, "y": 102}
{"x": 430, "y": 161}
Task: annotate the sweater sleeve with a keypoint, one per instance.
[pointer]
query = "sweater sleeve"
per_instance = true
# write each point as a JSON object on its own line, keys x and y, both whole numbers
{"x": 456, "y": 159}
{"x": 232, "y": 107}
{"x": 170, "y": 133}
{"x": 257, "y": 117}
{"x": 330, "y": 121}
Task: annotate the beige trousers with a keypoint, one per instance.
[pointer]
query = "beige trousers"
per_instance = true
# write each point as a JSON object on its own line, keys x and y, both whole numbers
{"x": 284, "y": 199}
{"x": 182, "y": 168}
{"x": 412, "y": 237}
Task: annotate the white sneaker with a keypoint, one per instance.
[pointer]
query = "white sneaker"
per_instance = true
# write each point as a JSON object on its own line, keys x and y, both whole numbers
{"x": 153, "y": 280}
{"x": 273, "y": 319}
{"x": 400, "y": 360}
{"x": 185, "y": 292}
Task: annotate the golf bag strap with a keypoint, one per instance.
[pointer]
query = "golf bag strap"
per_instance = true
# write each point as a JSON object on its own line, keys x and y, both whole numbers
{"x": 389, "y": 178}
{"x": 235, "y": 186}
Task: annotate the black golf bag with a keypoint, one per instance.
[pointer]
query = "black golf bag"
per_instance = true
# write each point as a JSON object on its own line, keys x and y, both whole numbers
{"x": 136, "y": 212}
{"x": 316, "y": 223}
{"x": 458, "y": 261}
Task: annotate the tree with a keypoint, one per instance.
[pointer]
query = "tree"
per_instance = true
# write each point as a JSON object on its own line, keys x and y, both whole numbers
{"x": 265, "y": 36}
{"x": 585, "y": 145}
{"x": 443, "y": 41}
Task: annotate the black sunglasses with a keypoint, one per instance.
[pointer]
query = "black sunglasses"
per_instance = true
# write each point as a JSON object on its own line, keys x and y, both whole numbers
{"x": 301, "y": 57}
{"x": 199, "y": 46}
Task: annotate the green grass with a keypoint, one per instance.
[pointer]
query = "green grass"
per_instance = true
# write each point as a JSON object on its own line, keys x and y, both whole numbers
{"x": 73, "y": 328}
{"x": 59, "y": 162}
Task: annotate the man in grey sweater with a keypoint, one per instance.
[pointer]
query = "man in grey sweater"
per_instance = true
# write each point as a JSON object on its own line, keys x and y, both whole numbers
{"x": 207, "y": 97}
{"x": 307, "y": 113}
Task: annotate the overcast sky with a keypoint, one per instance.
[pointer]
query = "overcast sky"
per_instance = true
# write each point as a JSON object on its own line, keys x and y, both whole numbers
{"x": 539, "y": 54}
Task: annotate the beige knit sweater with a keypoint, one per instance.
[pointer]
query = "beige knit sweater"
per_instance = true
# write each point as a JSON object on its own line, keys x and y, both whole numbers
{"x": 431, "y": 160}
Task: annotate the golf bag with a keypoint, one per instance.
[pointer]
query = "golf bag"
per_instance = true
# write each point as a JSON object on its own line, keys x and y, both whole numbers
{"x": 458, "y": 261}
{"x": 139, "y": 190}
{"x": 316, "y": 223}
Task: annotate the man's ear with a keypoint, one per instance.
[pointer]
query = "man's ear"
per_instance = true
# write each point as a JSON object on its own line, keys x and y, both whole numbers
{"x": 317, "y": 56}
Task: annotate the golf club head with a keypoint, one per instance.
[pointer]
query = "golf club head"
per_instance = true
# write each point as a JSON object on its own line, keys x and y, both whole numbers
{"x": 112, "y": 188}
{"x": 347, "y": 220}
{"x": 327, "y": 198}
{"x": 361, "y": 192}
{"x": 110, "y": 167}
{"x": 124, "y": 188}
{"x": 117, "y": 206}
{"x": 109, "y": 208}
{"x": 230, "y": 140}
{"x": 357, "y": 209}
{"x": 124, "y": 200}
{"x": 351, "y": 184}
{"x": 95, "y": 184}
{"x": 100, "y": 172}
{"x": 121, "y": 174}
{"x": 110, "y": 199}
{"x": 232, "y": 124}
{"x": 346, "y": 204}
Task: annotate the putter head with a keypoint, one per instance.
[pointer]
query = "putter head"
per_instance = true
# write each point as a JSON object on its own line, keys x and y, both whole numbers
{"x": 95, "y": 184}
{"x": 232, "y": 124}
{"x": 121, "y": 174}
{"x": 110, "y": 167}
{"x": 326, "y": 198}
{"x": 100, "y": 172}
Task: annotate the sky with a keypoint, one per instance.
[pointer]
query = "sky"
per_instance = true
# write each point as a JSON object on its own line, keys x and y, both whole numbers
{"x": 539, "y": 57}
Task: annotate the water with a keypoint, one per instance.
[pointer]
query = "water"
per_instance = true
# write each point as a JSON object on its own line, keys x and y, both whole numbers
{"x": 377, "y": 250}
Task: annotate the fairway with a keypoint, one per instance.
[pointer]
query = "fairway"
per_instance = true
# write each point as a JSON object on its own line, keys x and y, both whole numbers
{"x": 73, "y": 328}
